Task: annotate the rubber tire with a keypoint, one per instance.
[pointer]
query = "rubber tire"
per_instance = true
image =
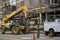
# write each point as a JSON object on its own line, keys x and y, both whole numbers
{"x": 51, "y": 33}
{"x": 14, "y": 29}
{"x": 3, "y": 30}
{"x": 26, "y": 30}
{"x": 46, "y": 33}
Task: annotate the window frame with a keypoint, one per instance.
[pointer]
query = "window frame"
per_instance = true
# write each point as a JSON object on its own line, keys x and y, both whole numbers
{"x": 22, "y": 3}
{"x": 31, "y": 2}
{"x": 53, "y": 1}
{"x": 42, "y": 1}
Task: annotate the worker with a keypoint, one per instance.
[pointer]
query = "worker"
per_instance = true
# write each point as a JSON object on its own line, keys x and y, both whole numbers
{"x": 38, "y": 31}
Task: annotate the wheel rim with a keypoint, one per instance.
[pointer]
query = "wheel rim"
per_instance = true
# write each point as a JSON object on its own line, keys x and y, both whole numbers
{"x": 15, "y": 30}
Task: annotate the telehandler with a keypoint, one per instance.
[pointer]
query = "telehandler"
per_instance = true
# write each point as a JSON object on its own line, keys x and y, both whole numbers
{"x": 15, "y": 29}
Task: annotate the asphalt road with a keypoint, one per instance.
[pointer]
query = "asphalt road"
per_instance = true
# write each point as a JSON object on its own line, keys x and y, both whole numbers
{"x": 9, "y": 36}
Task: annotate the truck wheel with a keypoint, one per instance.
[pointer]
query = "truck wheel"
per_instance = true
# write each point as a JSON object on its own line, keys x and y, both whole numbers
{"x": 51, "y": 33}
{"x": 26, "y": 30}
{"x": 15, "y": 30}
{"x": 3, "y": 30}
{"x": 46, "y": 33}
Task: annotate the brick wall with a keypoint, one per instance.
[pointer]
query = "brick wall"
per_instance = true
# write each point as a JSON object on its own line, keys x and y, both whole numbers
{"x": 37, "y": 4}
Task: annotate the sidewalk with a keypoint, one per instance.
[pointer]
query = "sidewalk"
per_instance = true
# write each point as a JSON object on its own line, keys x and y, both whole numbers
{"x": 42, "y": 32}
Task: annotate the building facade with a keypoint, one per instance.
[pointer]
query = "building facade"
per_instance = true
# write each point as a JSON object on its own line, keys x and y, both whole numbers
{"x": 0, "y": 10}
{"x": 6, "y": 8}
{"x": 29, "y": 3}
{"x": 50, "y": 9}
{"x": 2, "y": 7}
{"x": 46, "y": 7}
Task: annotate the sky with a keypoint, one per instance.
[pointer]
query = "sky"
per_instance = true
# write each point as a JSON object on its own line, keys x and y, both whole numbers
{"x": 12, "y": 2}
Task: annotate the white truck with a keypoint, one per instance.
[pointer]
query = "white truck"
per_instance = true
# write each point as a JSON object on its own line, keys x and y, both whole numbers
{"x": 53, "y": 27}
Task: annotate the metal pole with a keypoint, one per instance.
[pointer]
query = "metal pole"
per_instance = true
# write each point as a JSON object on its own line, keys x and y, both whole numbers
{"x": 54, "y": 14}
{"x": 46, "y": 17}
{"x": 39, "y": 21}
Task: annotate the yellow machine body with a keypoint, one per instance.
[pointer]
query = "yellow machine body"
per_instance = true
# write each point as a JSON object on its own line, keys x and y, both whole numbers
{"x": 5, "y": 22}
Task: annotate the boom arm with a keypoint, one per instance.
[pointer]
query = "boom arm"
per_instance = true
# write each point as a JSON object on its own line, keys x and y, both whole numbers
{"x": 21, "y": 9}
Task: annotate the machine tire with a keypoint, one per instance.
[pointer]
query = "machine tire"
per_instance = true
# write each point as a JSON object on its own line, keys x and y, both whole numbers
{"x": 46, "y": 33}
{"x": 51, "y": 33}
{"x": 3, "y": 30}
{"x": 15, "y": 30}
{"x": 26, "y": 30}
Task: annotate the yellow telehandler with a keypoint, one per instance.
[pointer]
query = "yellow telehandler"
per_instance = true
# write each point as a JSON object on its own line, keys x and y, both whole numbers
{"x": 14, "y": 28}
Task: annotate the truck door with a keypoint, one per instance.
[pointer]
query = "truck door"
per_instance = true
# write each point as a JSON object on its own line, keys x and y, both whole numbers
{"x": 58, "y": 26}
